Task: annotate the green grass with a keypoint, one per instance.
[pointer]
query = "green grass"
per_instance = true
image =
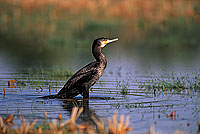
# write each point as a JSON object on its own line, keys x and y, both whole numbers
{"x": 122, "y": 86}
{"x": 174, "y": 82}
{"x": 42, "y": 76}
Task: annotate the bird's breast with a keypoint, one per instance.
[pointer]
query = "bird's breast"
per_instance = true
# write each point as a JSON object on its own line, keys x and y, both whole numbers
{"x": 101, "y": 69}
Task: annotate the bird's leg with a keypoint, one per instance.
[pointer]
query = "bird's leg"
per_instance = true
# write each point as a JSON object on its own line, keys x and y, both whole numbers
{"x": 85, "y": 93}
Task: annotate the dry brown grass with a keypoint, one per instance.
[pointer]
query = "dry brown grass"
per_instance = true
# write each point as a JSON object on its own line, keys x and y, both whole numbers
{"x": 103, "y": 9}
{"x": 69, "y": 126}
{"x": 114, "y": 127}
{"x": 120, "y": 127}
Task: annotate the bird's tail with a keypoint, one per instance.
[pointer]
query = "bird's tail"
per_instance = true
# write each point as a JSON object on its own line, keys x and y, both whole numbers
{"x": 49, "y": 97}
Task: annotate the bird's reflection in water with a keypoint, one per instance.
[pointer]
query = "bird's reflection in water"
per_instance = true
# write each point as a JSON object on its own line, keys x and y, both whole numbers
{"x": 86, "y": 115}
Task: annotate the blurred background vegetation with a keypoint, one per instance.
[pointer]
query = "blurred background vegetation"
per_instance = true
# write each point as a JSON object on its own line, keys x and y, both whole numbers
{"x": 33, "y": 28}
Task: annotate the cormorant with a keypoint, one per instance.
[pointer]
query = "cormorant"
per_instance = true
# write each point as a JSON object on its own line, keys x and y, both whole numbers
{"x": 86, "y": 77}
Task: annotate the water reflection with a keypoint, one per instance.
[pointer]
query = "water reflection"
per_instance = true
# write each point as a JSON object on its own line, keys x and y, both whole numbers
{"x": 87, "y": 113}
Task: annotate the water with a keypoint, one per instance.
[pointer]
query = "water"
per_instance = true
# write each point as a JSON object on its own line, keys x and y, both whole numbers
{"x": 146, "y": 108}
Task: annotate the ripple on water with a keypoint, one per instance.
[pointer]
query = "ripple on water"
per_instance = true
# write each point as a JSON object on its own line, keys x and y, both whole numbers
{"x": 125, "y": 93}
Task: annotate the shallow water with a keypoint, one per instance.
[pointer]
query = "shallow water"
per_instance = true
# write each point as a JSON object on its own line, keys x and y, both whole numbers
{"x": 146, "y": 108}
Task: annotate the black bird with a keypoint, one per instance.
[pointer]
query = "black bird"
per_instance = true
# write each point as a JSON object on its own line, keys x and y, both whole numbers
{"x": 86, "y": 77}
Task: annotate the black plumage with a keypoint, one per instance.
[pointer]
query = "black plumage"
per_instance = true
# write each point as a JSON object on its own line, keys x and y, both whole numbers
{"x": 86, "y": 77}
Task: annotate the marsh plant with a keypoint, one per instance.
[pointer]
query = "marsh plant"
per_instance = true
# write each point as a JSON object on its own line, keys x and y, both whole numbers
{"x": 172, "y": 82}
{"x": 42, "y": 76}
{"x": 122, "y": 86}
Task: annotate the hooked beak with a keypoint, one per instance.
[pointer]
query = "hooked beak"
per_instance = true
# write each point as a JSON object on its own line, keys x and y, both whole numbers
{"x": 108, "y": 41}
{"x": 112, "y": 40}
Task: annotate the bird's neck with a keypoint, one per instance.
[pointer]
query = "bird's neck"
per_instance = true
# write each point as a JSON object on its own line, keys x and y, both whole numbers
{"x": 98, "y": 55}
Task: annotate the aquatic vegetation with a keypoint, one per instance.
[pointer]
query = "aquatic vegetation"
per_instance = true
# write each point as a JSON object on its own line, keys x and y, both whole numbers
{"x": 4, "y": 91}
{"x": 42, "y": 77}
{"x": 172, "y": 82}
{"x": 100, "y": 82}
{"x": 122, "y": 86}
{"x": 173, "y": 115}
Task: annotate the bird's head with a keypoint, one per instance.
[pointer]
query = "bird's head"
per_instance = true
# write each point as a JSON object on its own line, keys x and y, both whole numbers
{"x": 104, "y": 41}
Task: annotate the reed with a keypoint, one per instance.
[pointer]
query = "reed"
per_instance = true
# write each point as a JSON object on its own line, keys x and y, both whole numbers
{"x": 40, "y": 87}
{"x": 59, "y": 117}
{"x": 4, "y": 91}
{"x": 120, "y": 127}
{"x": 45, "y": 115}
{"x": 49, "y": 88}
{"x": 13, "y": 82}
{"x": 9, "y": 84}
